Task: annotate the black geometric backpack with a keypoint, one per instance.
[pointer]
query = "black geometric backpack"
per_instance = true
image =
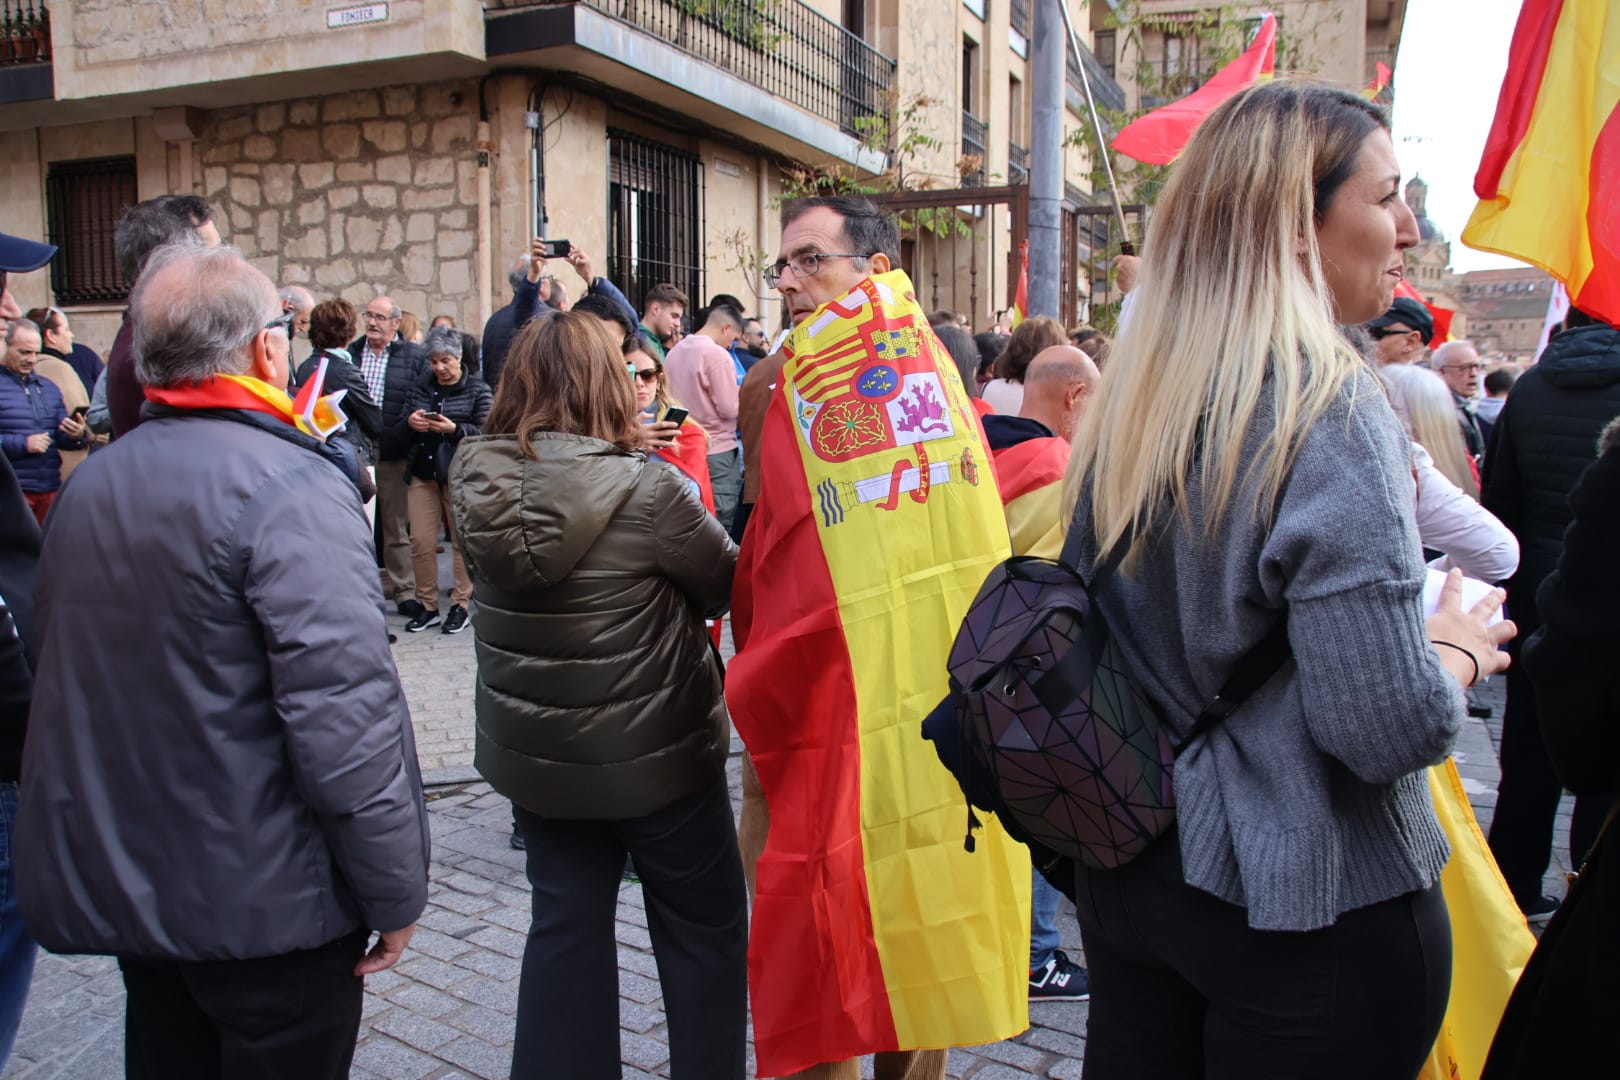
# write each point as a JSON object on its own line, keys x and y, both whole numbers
{"x": 1053, "y": 735}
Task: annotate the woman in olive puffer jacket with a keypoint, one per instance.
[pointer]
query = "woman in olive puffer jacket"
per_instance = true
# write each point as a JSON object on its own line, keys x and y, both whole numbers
{"x": 599, "y": 704}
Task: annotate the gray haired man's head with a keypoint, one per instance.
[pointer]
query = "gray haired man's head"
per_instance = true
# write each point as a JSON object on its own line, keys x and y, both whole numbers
{"x": 19, "y": 325}
{"x": 443, "y": 341}
{"x": 518, "y": 273}
{"x": 196, "y": 312}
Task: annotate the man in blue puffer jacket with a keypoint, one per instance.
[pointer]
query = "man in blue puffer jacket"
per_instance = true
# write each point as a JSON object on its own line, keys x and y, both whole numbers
{"x": 34, "y": 424}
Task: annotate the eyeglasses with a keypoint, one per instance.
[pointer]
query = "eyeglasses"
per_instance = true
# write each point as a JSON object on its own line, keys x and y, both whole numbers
{"x": 1383, "y": 332}
{"x": 1462, "y": 367}
{"x": 647, "y": 375}
{"x": 372, "y": 316}
{"x": 283, "y": 321}
{"x": 805, "y": 264}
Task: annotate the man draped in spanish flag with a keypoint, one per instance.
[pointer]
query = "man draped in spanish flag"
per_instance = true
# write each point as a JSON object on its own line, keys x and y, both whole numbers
{"x": 878, "y": 518}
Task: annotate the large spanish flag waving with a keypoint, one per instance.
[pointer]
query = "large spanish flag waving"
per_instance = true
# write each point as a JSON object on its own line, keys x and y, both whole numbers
{"x": 878, "y": 520}
{"x": 1159, "y": 137}
{"x": 1549, "y": 181}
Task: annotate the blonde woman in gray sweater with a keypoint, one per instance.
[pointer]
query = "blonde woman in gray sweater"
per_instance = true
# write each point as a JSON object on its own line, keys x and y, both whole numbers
{"x": 1292, "y": 926}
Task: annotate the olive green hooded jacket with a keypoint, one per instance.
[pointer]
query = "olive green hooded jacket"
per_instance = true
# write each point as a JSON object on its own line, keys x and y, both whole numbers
{"x": 593, "y": 568}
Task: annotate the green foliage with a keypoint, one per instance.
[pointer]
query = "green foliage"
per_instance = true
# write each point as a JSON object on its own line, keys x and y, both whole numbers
{"x": 751, "y": 22}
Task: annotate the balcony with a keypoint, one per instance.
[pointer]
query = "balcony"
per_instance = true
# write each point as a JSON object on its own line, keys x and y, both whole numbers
{"x": 1017, "y": 164}
{"x": 25, "y": 52}
{"x": 1108, "y": 92}
{"x": 783, "y": 47}
{"x": 1018, "y": 23}
{"x": 975, "y": 136}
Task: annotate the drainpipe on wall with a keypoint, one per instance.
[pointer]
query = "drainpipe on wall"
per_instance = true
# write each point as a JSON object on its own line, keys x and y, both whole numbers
{"x": 761, "y": 222}
{"x": 485, "y": 254}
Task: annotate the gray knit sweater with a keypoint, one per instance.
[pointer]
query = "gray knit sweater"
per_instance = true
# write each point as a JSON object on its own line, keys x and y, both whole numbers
{"x": 1309, "y": 801}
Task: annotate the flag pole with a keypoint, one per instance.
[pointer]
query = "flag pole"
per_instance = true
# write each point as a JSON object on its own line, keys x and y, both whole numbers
{"x": 1127, "y": 245}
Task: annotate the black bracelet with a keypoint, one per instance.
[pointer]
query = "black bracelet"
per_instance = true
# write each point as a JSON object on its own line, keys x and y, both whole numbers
{"x": 1472, "y": 659}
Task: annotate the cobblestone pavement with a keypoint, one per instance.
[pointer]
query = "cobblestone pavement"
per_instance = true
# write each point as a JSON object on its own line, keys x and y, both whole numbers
{"x": 447, "y": 1010}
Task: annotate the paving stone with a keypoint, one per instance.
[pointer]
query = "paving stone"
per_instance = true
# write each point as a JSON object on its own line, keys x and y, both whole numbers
{"x": 492, "y": 964}
{"x": 642, "y": 1052}
{"x": 385, "y": 1057}
{"x": 1058, "y": 1042}
{"x": 638, "y": 987}
{"x": 415, "y": 1031}
{"x": 478, "y": 1057}
{"x": 489, "y": 993}
{"x": 435, "y": 973}
{"x": 489, "y": 1025}
{"x": 1011, "y": 1053}
{"x": 424, "y": 1000}
{"x": 638, "y": 1018}
{"x": 501, "y": 940}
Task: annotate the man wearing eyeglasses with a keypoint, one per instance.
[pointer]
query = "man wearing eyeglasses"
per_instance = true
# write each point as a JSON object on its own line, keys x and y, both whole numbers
{"x": 1459, "y": 365}
{"x": 391, "y": 366}
{"x": 1403, "y": 332}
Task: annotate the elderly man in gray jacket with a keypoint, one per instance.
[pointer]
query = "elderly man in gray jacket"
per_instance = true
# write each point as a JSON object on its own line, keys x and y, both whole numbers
{"x": 221, "y": 788}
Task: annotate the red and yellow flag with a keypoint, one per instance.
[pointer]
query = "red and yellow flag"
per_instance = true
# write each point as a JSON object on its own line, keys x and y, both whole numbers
{"x": 1381, "y": 80}
{"x": 1441, "y": 316}
{"x": 878, "y": 520}
{"x": 1031, "y": 477}
{"x": 1158, "y": 137}
{"x": 1549, "y": 181}
{"x": 1020, "y": 308}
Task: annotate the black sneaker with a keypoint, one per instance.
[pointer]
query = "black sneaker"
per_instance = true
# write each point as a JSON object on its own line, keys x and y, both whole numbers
{"x": 1539, "y": 911}
{"x": 456, "y": 621}
{"x": 1060, "y": 980}
{"x": 421, "y": 621}
{"x": 517, "y": 841}
{"x": 410, "y": 608}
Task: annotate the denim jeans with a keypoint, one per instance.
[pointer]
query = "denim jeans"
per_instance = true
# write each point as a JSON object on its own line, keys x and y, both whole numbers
{"x": 16, "y": 947}
{"x": 1043, "y": 932}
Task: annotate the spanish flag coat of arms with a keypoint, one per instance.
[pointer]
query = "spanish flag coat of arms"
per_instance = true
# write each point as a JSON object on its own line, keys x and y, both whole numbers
{"x": 878, "y": 520}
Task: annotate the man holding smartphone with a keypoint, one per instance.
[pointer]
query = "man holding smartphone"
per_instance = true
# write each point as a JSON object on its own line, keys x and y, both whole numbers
{"x": 34, "y": 422}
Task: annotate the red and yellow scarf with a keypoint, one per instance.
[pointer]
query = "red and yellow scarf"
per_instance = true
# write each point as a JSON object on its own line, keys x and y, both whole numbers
{"x": 310, "y": 413}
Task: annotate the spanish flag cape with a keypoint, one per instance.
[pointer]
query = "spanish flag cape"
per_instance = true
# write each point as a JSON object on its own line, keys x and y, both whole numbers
{"x": 1029, "y": 469}
{"x": 309, "y": 412}
{"x": 878, "y": 520}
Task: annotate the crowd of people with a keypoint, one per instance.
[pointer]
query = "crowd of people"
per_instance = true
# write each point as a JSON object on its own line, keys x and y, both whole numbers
{"x": 219, "y": 784}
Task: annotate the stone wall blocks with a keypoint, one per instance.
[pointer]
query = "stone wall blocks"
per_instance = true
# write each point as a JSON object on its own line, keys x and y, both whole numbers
{"x": 359, "y": 105}
{"x": 222, "y": 153}
{"x": 395, "y": 169}
{"x": 233, "y": 127}
{"x": 312, "y": 245}
{"x": 435, "y": 172}
{"x": 269, "y": 265}
{"x": 419, "y": 264}
{"x": 278, "y": 184}
{"x": 294, "y": 274}
{"x": 302, "y": 144}
{"x": 245, "y": 168}
{"x": 453, "y": 219}
{"x": 259, "y": 148}
{"x": 420, "y": 227}
{"x": 336, "y": 273}
{"x": 270, "y": 118}
{"x": 378, "y": 268}
{"x": 455, "y": 277}
{"x": 389, "y": 136}
{"x": 452, "y": 134}
{"x": 420, "y": 132}
{"x": 362, "y": 235}
{"x": 214, "y": 180}
{"x": 436, "y": 100}
{"x": 245, "y": 191}
{"x": 350, "y": 171}
{"x": 317, "y": 174}
{"x": 335, "y": 228}
{"x": 305, "y": 112}
{"x": 454, "y": 244}
{"x": 312, "y": 211}
{"x": 399, "y": 100}
{"x": 341, "y": 198}
{"x": 269, "y": 230}
{"x": 414, "y": 300}
{"x": 393, "y": 234}
{"x": 341, "y": 140}
{"x": 241, "y": 220}
{"x": 380, "y": 196}
{"x": 436, "y": 199}
{"x": 467, "y": 181}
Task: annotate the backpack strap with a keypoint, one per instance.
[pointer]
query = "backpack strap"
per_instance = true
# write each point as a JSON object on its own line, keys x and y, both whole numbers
{"x": 1254, "y": 668}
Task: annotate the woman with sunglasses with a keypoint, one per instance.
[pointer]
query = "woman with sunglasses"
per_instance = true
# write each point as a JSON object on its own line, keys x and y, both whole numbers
{"x": 685, "y": 446}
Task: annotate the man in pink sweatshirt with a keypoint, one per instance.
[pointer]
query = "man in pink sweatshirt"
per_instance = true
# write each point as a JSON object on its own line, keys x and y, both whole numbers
{"x": 703, "y": 379}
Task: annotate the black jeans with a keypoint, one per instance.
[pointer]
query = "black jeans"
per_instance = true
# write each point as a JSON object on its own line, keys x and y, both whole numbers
{"x": 290, "y": 1016}
{"x": 697, "y": 916}
{"x": 1183, "y": 989}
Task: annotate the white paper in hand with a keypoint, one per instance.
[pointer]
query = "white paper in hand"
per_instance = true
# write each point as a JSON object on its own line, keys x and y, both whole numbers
{"x": 1472, "y": 593}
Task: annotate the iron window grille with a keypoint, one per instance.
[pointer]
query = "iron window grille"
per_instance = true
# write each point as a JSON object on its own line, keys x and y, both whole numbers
{"x": 84, "y": 200}
{"x": 655, "y": 218}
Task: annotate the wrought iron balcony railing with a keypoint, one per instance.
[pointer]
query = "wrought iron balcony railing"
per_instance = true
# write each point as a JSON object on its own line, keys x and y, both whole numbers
{"x": 25, "y": 32}
{"x": 784, "y": 47}
{"x": 1018, "y": 17}
{"x": 975, "y": 135}
{"x": 1017, "y": 164}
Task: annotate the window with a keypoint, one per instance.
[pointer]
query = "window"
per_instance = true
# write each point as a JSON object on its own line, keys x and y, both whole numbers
{"x": 970, "y": 77}
{"x": 655, "y": 217}
{"x": 83, "y": 201}
{"x": 1104, "y": 42}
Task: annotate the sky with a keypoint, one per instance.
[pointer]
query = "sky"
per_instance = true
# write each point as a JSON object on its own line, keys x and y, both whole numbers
{"x": 1447, "y": 77}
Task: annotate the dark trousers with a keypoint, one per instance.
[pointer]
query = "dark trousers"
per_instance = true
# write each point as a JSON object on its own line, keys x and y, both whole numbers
{"x": 697, "y": 916}
{"x": 288, "y": 1017}
{"x": 1183, "y": 989}
{"x": 1527, "y": 795}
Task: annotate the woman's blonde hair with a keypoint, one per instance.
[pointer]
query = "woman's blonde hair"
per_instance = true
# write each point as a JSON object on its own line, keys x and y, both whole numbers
{"x": 564, "y": 373}
{"x": 1423, "y": 401}
{"x": 1232, "y": 297}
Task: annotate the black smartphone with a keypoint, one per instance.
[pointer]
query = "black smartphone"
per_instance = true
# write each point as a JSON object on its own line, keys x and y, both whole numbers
{"x": 432, "y": 416}
{"x": 556, "y": 249}
{"x": 676, "y": 416}
{"x": 78, "y": 413}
